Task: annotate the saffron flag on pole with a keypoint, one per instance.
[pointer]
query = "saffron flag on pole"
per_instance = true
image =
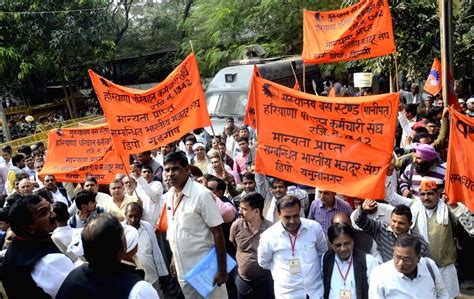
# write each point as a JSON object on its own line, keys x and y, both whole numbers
{"x": 459, "y": 170}
{"x": 141, "y": 120}
{"x": 76, "y": 153}
{"x": 433, "y": 83}
{"x": 340, "y": 144}
{"x": 249, "y": 118}
{"x": 363, "y": 30}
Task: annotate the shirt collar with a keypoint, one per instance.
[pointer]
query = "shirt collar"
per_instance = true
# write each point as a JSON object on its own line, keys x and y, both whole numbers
{"x": 335, "y": 207}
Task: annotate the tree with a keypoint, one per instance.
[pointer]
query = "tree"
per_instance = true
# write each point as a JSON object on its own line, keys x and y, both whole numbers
{"x": 48, "y": 41}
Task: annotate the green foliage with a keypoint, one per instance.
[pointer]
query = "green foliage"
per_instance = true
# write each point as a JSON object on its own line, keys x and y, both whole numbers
{"x": 220, "y": 30}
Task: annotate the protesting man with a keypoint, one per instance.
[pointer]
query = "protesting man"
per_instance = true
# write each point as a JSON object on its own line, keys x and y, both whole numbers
{"x": 345, "y": 269}
{"x": 407, "y": 275}
{"x": 33, "y": 266}
{"x": 148, "y": 253}
{"x": 119, "y": 200}
{"x": 59, "y": 193}
{"x": 292, "y": 249}
{"x": 90, "y": 184}
{"x": 384, "y": 234}
{"x": 145, "y": 158}
{"x": 104, "y": 245}
{"x": 86, "y": 204}
{"x": 194, "y": 226}
{"x": 323, "y": 210}
{"x": 436, "y": 223}
{"x": 252, "y": 281}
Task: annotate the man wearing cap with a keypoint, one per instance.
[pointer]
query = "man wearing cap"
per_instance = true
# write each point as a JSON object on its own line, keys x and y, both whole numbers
{"x": 425, "y": 167}
{"x": 470, "y": 107}
{"x": 436, "y": 223}
{"x": 200, "y": 159}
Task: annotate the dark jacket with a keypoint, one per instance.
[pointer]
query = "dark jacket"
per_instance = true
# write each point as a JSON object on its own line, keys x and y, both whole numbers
{"x": 360, "y": 273}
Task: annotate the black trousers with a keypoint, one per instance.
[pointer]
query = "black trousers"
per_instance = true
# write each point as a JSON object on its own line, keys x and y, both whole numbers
{"x": 254, "y": 290}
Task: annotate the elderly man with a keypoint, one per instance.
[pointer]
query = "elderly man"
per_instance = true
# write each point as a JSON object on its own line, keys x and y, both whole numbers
{"x": 200, "y": 159}
{"x": 25, "y": 187}
{"x": 148, "y": 253}
{"x": 436, "y": 223}
{"x": 407, "y": 275}
{"x": 425, "y": 167}
{"x": 413, "y": 96}
{"x": 292, "y": 249}
{"x": 33, "y": 267}
{"x": 104, "y": 245}
{"x": 194, "y": 226}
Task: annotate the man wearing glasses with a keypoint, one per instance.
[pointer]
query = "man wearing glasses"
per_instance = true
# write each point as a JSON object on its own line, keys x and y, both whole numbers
{"x": 407, "y": 275}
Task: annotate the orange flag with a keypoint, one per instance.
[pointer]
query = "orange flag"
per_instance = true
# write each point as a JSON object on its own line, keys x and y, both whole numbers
{"x": 339, "y": 144}
{"x": 360, "y": 31}
{"x": 249, "y": 119}
{"x": 459, "y": 170}
{"x": 142, "y": 120}
{"x": 433, "y": 83}
{"x": 76, "y": 153}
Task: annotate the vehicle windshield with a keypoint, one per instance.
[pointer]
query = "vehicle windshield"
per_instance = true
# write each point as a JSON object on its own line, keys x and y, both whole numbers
{"x": 226, "y": 103}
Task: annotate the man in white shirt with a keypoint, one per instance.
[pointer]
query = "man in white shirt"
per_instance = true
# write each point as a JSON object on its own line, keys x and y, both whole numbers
{"x": 407, "y": 275}
{"x": 148, "y": 253}
{"x": 292, "y": 249}
{"x": 104, "y": 245}
{"x": 59, "y": 194}
{"x": 346, "y": 269}
{"x": 90, "y": 184}
{"x": 150, "y": 193}
{"x": 194, "y": 226}
{"x": 33, "y": 265}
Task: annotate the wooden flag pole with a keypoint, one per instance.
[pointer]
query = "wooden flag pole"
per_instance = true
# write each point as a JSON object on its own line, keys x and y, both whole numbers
{"x": 294, "y": 74}
{"x": 396, "y": 73}
{"x": 191, "y": 44}
{"x": 304, "y": 77}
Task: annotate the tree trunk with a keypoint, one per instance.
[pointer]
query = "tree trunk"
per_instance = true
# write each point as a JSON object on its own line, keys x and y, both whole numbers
{"x": 66, "y": 97}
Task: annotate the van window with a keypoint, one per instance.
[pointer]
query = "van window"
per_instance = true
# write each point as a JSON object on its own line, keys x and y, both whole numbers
{"x": 227, "y": 103}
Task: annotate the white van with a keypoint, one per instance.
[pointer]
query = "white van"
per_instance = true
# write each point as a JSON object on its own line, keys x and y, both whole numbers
{"x": 226, "y": 94}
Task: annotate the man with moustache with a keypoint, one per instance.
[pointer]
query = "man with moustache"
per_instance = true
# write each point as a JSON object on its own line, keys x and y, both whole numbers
{"x": 33, "y": 266}
{"x": 292, "y": 249}
{"x": 425, "y": 167}
{"x": 252, "y": 281}
{"x": 194, "y": 226}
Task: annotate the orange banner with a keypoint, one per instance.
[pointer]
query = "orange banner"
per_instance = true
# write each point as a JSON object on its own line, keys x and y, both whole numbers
{"x": 338, "y": 144}
{"x": 360, "y": 31}
{"x": 459, "y": 170}
{"x": 76, "y": 153}
{"x": 141, "y": 120}
{"x": 433, "y": 83}
{"x": 249, "y": 119}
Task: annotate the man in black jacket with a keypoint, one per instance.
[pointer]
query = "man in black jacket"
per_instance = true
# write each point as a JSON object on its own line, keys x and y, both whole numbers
{"x": 33, "y": 266}
{"x": 345, "y": 269}
{"x": 104, "y": 276}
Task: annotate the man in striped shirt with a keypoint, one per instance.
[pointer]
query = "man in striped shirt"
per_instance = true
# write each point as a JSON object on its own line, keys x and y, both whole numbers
{"x": 385, "y": 235}
{"x": 426, "y": 167}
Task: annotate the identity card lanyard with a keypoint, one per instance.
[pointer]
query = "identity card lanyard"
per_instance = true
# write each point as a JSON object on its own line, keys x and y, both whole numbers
{"x": 344, "y": 277}
{"x": 294, "y": 263}
{"x": 175, "y": 208}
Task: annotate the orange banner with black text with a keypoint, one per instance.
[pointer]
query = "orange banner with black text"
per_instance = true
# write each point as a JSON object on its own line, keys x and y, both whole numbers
{"x": 338, "y": 144}
{"x": 459, "y": 168}
{"x": 76, "y": 153}
{"x": 363, "y": 30}
{"x": 142, "y": 120}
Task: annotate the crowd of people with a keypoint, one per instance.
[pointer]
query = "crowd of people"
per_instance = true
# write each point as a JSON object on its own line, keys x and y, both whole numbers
{"x": 139, "y": 236}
